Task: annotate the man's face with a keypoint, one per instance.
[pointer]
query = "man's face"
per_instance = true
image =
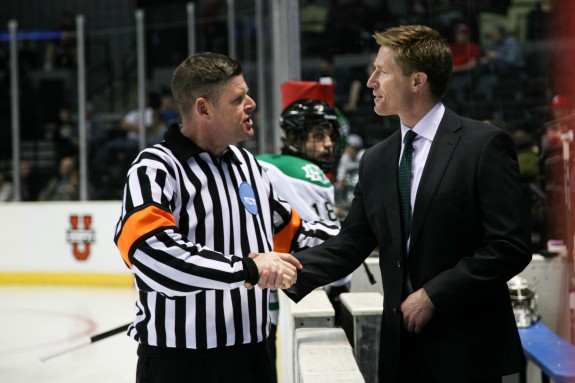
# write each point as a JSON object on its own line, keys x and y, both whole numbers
{"x": 233, "y": 112}
{"x": 496, "y": 36}
{"x": 391, "y": 88}
{"x": 319, "y": 143}
{"x": 461, "y": 37}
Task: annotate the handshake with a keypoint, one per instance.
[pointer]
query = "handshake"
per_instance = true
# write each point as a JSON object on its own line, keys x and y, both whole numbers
{"x": 276, "y": 270}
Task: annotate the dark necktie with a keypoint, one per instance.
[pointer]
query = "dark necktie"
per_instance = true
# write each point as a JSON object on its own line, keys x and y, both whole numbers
{"x": 405, "y": 182}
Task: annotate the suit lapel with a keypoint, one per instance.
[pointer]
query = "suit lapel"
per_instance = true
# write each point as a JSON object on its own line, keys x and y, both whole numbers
{"x": 442, "y": 148}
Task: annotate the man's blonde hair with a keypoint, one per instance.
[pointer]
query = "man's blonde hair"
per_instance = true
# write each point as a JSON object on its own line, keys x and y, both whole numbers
{"x": 419, "y": 48}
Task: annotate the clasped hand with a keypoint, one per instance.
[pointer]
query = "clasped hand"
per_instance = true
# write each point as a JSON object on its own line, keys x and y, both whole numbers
{"x": 276, "y": 270}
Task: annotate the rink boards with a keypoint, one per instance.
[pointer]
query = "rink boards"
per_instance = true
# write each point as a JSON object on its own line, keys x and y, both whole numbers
{"x": 61, "y": 243}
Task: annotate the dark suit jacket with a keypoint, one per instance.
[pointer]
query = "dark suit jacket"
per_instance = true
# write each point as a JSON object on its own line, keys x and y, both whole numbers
{"x": 470, "y": 234}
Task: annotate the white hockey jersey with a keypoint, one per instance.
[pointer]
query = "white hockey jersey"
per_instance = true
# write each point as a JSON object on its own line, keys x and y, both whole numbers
{"x": 306, "y": 187}
{"x": 303, "y": 184}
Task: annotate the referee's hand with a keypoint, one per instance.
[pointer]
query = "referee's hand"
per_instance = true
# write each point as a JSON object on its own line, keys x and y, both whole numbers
{"x": 276, "y": 270}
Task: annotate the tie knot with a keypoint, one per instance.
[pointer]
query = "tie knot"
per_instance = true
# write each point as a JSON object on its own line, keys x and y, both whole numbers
{"x": 409, "y": 136}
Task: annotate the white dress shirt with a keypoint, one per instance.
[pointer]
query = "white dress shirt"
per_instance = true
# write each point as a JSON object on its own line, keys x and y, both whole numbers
{"x": 425, "y": 129}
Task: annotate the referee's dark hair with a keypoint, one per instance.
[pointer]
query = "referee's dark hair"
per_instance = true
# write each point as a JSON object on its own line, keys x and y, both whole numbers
{"x": 201, "y": 75}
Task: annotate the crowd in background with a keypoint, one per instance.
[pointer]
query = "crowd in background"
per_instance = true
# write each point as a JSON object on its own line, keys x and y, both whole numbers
{"x": 493, "y": 80}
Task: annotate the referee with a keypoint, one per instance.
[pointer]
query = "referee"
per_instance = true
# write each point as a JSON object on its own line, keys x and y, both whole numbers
{"x": 197, "y": 229}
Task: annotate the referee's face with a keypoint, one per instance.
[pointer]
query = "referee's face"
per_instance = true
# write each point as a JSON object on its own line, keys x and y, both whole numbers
{"x": 234, "y": 112}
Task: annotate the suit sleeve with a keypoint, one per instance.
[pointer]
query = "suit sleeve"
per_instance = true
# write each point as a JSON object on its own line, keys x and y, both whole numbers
{"x": 338, "y": 256}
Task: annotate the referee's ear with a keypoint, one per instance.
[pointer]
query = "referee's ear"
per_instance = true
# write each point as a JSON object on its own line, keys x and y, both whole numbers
{"x": 202, "y": 107}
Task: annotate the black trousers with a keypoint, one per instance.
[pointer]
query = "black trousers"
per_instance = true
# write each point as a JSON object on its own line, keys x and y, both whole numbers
{"x": 413, "y": 367}
{"x": 249, "y": 364}
{"x": 272, "y": 352}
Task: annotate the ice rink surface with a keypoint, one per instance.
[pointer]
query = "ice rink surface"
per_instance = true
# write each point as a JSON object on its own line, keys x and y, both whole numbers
{"x": 38, "y": 321}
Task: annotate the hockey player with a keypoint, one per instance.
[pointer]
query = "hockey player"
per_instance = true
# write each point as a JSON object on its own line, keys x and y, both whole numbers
{"x": 312, "y": 142}
{"x": 313, "y": 136}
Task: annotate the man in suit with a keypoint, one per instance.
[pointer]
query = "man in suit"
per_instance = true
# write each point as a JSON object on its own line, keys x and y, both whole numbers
{"x": 447, "y": 251}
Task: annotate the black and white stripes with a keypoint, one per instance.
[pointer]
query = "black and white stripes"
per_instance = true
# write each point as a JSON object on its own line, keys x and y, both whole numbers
{"x": 188, "y": 220}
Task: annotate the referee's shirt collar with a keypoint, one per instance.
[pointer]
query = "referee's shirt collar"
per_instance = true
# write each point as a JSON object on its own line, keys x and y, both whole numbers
{"x": 184, "y": 148}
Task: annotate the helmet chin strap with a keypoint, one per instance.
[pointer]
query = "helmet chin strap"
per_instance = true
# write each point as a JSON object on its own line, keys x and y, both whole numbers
{"x": 291, "y": 150}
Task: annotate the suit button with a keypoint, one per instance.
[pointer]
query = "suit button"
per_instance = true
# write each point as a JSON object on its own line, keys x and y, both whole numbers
{"x": 398, "y": 264}
{"x": 394, "y": 311}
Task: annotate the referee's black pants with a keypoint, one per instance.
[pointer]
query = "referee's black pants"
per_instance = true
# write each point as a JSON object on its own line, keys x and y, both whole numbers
{"x": 238, "y": 364}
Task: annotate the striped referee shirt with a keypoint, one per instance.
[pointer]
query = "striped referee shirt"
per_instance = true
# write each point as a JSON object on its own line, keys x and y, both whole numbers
{"x": 188, "y": 222}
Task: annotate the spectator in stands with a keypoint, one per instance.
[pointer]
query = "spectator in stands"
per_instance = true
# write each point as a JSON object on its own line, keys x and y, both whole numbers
{"x": 159, "y": 113}
{"x": 113, "y": 150}
{"x": 65, "y": 135}
{"x": 168, "y": 111}
{"x": 464, "y": 51}
{"x": 347, "y": 169}
{"x": 63, "y": 186}
{"x": 465, "y": 55}
{"x": 503, "y": 53}
{"x": 6, "y": 187}
{"x": 131, "y": 122}
{"x": 502, "y": 72}
{"x": 30, "y": 182}
{"x": 162, "y": 118}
